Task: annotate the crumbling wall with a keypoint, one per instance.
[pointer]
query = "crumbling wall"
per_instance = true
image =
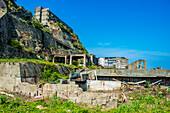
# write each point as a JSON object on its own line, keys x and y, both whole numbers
{"x": 61, "y": 90}
{"x": 27, "y": 89}
{"x": 13, "y": 73}
{"x": 9, "y": 75}
{"x": 75, "y": 94}
{"x": 92, "y": 98}
{"x": 97, "y": 85}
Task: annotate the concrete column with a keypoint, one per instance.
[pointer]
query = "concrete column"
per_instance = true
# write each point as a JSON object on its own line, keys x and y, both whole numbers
{"x": 84, "y": 63}
{"x": 145, "y": 64}
{"x": 134, "y": 66}
{"x": 140, "y": 65}
{"x": 137, "y": 64}
{"x": 70, "y": 59}
{"x": 53, "y": 59}
{"x": 65, "y": 59}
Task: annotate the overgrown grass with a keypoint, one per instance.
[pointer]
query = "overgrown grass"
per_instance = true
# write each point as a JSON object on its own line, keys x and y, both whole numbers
{"x": 141, "y": 103}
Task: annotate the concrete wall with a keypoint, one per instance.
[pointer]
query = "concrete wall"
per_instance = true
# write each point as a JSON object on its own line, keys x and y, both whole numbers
{"x": 12, "y": 74}
{"x": 144, "y": 73}
{"x": 138, "y": 73}
{"x": 59, "y": 89}
{"x": 75, "y": 94}
{"x": 96, "y": 85}
{"x": 100, "y": 99}
{"x": 9, "y": 75}
{"x": 25, "y": 88}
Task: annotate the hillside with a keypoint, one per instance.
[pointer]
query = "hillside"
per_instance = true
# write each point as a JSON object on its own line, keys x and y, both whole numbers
{"x": 23, "y": 36}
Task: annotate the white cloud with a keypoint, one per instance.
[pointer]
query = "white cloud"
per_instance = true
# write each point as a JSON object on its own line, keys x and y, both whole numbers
{"x": 103, "y": 44}
{"x": 129, "y": 53}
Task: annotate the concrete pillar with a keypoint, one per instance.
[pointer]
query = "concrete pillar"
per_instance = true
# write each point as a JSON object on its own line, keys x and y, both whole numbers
{"x": 65, "y": 59}
{"x": 140, "y": 65}
{"x": 145, "y": 64}
{"x": 134, "y": 66}
{"x": 84, "y": 63}
{"x": 70, "y": 59}
{"x": 137, "y": 64}
{"x": 53, "y": 59}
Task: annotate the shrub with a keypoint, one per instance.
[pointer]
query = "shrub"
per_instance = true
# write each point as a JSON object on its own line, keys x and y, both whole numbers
{"x": 147, "y": 84}
{"x": 16, "y": 44}
{"x": 75, "y": 63}
{"x": 37, "y": 25}
{"x": 3, "y": 99}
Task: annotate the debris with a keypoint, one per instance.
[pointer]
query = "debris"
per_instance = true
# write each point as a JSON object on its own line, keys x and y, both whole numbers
{"x": 10, "y": 95}
{"x": 38, "y": 98}
{"x": 122, "y": 97}
{"x": 68, "y": 111}
{"x": 131, "y": 98}
{"x": 155, "y": 82}
{"x": 135, "y": 83}
{"x": 40, "y": 107}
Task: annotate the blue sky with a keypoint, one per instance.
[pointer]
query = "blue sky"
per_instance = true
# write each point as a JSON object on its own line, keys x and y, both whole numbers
{"x": 136, "y": 29}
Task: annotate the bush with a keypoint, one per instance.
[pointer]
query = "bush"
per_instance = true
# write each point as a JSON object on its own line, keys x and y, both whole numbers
{"x": 147, "y": 84}
{"x": 3, "y": 99}
{"x": 75, "y": 63}
{"x": 16, "y": 44}
{"x": 37, "y": 25}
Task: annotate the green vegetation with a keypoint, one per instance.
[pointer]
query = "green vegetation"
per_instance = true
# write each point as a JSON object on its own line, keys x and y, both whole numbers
{"x": 145, "y": 103}
{"x": 147, "y": 84}
{"x": 51, "y": 74}
{"x": 16, "y": 44}
{"x": 37, "y": 25}
{"x": 75, "y": 63}
{"x": 64, "y": 28}
{"x": 92, "y": 67}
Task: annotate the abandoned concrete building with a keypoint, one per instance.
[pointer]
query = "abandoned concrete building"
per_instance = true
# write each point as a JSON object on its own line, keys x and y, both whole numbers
{"x": 45, "y": 16}
{"x": 113, "y": 62}
{"x": 138, "y": 64}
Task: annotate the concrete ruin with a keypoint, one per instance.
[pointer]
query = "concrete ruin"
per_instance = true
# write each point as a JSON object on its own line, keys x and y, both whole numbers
{"x": 12, "y": 74}
{"x": 127, "y": 75}
{"x": 137, "y": 65}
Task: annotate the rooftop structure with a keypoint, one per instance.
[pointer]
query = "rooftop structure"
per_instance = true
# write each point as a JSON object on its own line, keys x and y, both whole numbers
{"x": 45, "y": 16}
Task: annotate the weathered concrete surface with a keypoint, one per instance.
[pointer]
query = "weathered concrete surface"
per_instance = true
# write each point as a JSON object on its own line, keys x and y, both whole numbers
{"x": 97, "y": 85}
{"x": 130, "y": 75}
{"x": 11, "y": 74}
{"x": 27, "y": 89}
{"x": 61, "y": 90}
{"x": 75, "y": 94}
{"x": 91, "y": 98}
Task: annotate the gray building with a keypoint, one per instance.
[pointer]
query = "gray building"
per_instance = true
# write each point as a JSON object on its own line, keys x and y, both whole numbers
{"x": 45, "y": 16}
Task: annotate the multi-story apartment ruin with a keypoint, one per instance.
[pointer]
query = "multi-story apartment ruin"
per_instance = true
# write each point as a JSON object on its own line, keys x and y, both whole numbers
{"x": 45, "y": 16}
{"x": 113, "y": 62}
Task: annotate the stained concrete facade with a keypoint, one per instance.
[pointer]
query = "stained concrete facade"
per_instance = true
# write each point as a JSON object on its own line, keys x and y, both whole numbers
{"x": 45, "y": 16}
{"x": 12, "y": 74}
